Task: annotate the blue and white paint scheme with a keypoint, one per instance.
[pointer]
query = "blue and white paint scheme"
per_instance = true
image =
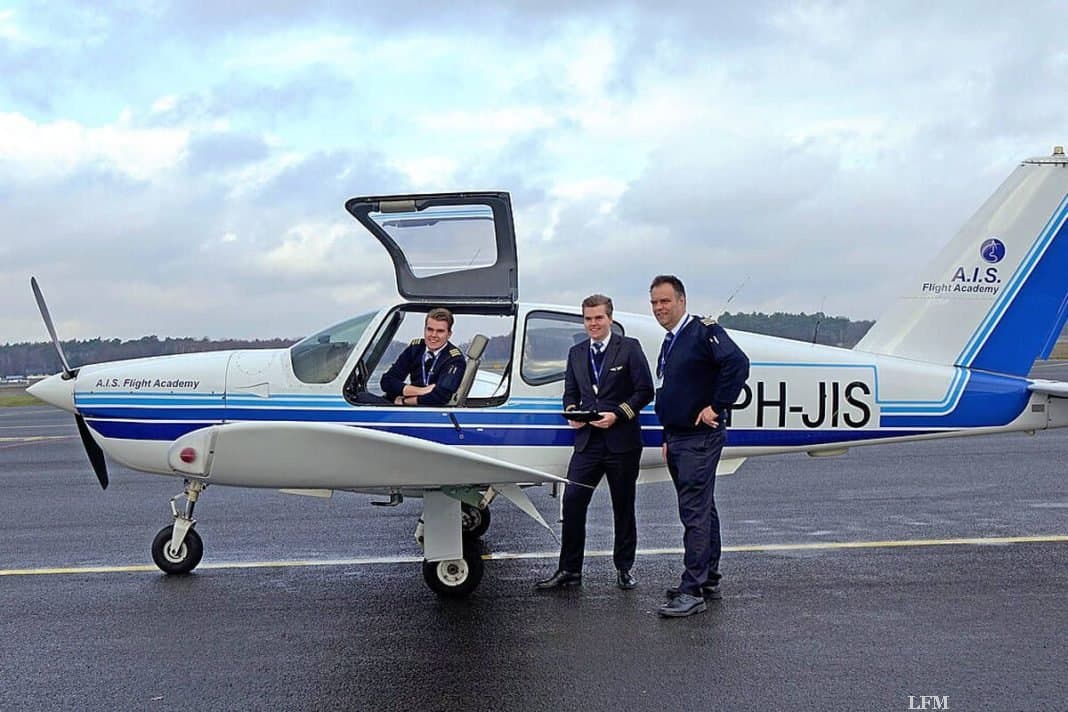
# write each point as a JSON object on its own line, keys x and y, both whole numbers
{"x": 949, "y": 358}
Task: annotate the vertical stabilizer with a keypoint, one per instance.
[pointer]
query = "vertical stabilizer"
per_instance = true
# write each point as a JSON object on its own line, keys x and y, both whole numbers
{"x": 996, "y": 297}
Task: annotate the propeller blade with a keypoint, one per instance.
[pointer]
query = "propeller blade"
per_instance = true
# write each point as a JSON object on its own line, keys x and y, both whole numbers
{"x": 92, "y": 449}
{"x": 68, "y": 372}
{"x": 96, "y": 455}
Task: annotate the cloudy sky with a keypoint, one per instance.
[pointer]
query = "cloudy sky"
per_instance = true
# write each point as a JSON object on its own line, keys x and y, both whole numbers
{"x": 180, "y": 168}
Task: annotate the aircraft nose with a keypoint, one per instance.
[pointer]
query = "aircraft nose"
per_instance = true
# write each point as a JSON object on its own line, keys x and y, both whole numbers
{"x": 55, "y": 390}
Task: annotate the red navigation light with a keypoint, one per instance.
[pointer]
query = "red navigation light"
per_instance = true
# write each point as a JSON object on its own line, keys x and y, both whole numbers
{"x": 188, "y": 455}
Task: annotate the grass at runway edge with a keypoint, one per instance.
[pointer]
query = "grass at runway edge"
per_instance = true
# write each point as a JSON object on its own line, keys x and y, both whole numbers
{"x": 18, "y": 399}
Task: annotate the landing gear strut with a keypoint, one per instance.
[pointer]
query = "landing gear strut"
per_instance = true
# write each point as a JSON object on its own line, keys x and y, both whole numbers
{"x": 177, "y": 549}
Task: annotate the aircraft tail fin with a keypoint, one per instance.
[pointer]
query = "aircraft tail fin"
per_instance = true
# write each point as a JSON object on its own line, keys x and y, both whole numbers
{"x": 996, "y": 298}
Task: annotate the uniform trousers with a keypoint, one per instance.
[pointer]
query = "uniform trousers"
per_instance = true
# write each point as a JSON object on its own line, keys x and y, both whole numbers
{"x": 692, "y": 459}
{"x": 587, "y": 468}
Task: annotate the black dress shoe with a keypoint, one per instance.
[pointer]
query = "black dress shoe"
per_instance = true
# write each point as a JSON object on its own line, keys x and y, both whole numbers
{"x": 625, "y": 580}
{"x": 681, "y": 606}
{"x": 560, "y": 579}
{"x": 709, "y": 592}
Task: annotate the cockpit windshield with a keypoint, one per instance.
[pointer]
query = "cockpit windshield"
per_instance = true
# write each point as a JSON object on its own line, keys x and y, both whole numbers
{"x": 320, "y": 357}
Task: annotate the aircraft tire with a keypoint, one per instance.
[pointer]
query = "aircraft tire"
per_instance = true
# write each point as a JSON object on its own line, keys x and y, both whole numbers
{"x": 456, "y": 578}
{"x": 476, "y": 520}
{"x": 189, "y": 554}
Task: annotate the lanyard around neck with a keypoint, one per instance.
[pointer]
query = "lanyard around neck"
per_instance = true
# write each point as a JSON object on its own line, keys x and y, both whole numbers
{"x": 427, "y": 371}
{"x": 669, "y": 343}
{"x": 595, "y": 368}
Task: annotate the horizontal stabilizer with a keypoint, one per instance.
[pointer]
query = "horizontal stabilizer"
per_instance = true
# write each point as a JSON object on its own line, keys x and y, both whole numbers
{"x": 1057, "y": 389}
{"x": 299, "y": 455}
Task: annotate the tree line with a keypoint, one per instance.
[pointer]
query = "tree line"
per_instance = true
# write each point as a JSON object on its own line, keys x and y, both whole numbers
{"x": 27, "y": 359}
{"x": 813, "y": 328}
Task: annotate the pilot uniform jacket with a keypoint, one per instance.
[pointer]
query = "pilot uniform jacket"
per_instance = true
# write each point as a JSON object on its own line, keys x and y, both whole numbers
{"x": 445, "y": 372}
{"x": 626, "y": 386}
{"x": 704, "y": 367}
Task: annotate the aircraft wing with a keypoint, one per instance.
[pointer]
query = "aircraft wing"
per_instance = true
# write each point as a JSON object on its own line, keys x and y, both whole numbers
{"x": 1057, "y": 389}
{"x": 326, "y": 455}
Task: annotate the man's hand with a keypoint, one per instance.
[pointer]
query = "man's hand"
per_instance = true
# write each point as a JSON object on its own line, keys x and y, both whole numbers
{"x": 607, "y": 421}
{"x": 663, "y": 451}
{"x": 410, "y": 390}
{"x": 708, "y": 417}
{"x": 576, "y": 424}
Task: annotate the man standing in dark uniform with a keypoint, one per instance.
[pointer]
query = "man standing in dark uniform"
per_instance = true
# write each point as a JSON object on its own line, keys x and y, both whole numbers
{"x": 432, "y": 365}
{"x": 701, "y": 373}
{"x": 607, "y": 374}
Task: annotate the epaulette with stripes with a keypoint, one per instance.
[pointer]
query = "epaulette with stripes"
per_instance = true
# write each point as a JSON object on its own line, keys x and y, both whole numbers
{"x": 454, "y": 352}
{"x": 708, "y": 321}
{"x": 416, "y": 342}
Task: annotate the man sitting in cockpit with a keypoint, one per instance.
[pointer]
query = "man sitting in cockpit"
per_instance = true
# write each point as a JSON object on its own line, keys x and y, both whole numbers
{"x": 432, "y": 365}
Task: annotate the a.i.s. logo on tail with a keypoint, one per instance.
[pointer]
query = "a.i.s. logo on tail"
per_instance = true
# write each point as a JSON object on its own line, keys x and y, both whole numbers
{"x": 975, "y": 278}
{"x": 992, "y": 250}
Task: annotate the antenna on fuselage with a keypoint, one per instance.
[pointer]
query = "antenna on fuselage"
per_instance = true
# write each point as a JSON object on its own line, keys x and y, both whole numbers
{"x": 730, "y": 299}
{"x": 819, "y": 320}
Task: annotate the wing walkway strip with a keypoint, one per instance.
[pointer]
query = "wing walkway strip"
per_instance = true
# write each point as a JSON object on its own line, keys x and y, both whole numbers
{"x": 509, "y": 556}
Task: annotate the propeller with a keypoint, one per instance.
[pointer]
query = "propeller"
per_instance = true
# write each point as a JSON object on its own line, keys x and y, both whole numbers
{"x": 92, "y": 449}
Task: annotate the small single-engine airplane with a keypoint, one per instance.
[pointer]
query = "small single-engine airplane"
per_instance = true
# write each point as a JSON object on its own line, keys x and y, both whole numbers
{"x": 949, "y": 358}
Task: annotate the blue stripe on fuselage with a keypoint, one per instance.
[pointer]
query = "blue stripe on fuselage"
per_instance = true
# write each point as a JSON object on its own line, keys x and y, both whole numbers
{"x": 524, "y": 437}
{"x": 988, "y": 400}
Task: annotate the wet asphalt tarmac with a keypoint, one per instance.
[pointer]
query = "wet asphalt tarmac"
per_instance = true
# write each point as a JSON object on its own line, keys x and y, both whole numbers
{"x": 863, "y": 582}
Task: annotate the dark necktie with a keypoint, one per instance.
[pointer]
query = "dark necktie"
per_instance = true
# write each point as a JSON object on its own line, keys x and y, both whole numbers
{"x": 665, "y": 348}
{"x": 598, "y": 355}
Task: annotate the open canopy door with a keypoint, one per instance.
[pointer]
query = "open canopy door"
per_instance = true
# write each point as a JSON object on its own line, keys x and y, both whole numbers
{"x": 446, "y": 247}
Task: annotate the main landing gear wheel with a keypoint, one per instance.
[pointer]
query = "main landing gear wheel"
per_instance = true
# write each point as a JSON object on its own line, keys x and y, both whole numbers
{"x": 455, "y": 578}
{"x": 177, "y": 562}
{"x": 476, "y": 520}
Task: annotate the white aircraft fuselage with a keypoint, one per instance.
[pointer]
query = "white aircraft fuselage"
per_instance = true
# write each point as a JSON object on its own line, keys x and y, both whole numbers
{"x": 799, "y": 398}
{"x": 950, "y": 358}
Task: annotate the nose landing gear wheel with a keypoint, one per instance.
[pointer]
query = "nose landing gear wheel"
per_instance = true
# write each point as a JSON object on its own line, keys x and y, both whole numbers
{"x": 182, "y": 561}
{"x": 455, "y": 578}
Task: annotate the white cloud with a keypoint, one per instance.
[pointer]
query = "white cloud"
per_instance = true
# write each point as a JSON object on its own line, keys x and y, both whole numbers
{"x": 9, "y": 28}
{"x": 496, "y": 123}
{"x": 164, "y": 104}
{"x": 53, "y": 149}
{"x": 324, "y": 252}
{"x": 428, "y": 173}
{"x": 289, "y": 50}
